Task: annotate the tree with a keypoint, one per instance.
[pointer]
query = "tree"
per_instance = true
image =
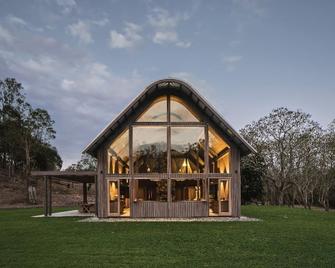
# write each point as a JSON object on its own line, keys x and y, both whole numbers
{"x": 327, "y": 167}
{"x": 12, "y": 106}
{"x": 86, "y": 163}
{"x": 252, "y": 175}
{"x": 25, "y": 132}
{"x": 45, "y": 157}
{"x": 277, "y": 137}
{"x": 37, "y": 127}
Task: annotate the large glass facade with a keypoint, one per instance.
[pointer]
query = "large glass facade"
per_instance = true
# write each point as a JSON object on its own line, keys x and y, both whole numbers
{"x": 219, "y": 197}
{"x": 151, "y": 190}
{"x": 150, "y": 149}
{"x": 157, "y": 111}
{"x": 180, "y": 112}
{"x": 188, "y": 189}
{"x": 113, "y": 197}
{"x": 161, "y": 144}
{"x": 218, "y": 154}
{"x": 118, "y": 155}
{"x": 187, "y": 149}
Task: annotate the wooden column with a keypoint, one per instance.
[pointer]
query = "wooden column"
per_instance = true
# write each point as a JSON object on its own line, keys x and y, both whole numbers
{"x": 85, "y": 193}
{"x": 235, "y": 182}
{"x": 49, "y": 196}
{"x": 102, "y": 185}
{"x": 96, "y": 195}
{"x": 131, "y": 171}
{"x": 45, "y": 196}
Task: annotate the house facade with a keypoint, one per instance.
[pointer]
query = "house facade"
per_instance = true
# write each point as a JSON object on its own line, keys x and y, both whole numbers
{"x": 168, "y": 154}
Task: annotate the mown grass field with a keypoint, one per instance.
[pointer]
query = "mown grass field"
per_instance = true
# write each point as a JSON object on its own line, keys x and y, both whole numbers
{"x": 285, "y": 238}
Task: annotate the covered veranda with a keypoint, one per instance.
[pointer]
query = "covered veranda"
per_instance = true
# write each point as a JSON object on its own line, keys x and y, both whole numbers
{"x": 83, "y": 177}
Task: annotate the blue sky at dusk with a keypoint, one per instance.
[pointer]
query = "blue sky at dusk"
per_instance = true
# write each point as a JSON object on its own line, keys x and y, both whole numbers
{"x": 84, "y": 61}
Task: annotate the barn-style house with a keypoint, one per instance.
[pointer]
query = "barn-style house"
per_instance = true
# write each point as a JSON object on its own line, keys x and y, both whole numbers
{"x": 168, "y": 154}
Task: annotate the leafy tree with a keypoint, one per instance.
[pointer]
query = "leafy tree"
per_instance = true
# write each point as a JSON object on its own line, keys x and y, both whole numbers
{"x": 25, "y": 132}
{"x": 45, "y": 157}
{"x": 86, "y": 163}
{"x": 252, "y": 175}
{"x": 278, "y": 138}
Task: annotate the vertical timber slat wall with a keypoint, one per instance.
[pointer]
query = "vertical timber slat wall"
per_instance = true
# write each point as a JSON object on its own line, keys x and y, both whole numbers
{"x": 102, "y": 191}
{"x": 235, "y": 182}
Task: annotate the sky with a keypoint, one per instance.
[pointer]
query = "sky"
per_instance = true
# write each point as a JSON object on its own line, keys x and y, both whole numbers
{"x": 84, "y": 61}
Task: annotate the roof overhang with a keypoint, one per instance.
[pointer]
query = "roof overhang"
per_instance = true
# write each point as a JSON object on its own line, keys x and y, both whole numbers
{"x": 193, "y": 95}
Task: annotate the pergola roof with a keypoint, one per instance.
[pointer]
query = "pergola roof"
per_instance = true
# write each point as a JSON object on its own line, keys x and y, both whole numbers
{"x": 73, "y": 176}
{"x": 193, "y": 96}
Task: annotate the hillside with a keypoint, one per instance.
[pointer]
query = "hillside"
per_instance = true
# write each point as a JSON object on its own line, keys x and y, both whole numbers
{"x": 13, "y": 193}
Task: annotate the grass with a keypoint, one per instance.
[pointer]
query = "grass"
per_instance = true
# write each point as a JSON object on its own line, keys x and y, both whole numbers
{"x": 285, "y": 238}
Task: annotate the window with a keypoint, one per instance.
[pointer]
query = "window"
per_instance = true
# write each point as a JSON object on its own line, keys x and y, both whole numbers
{"x": 181, "y": 113}
{"x": 187, "y": 149}
{"x": 118, "y": 155}
{"x": 113, "y": 197}
{"x": 219, "y": 197}
{"x": 150, "y": 149}
{"x": 188, "y": 190}
{"x": 150, "y": 190}
{"x": 157, "y": 111}
{"x": 124, "y": 198}
{"x": 219, "y": 154}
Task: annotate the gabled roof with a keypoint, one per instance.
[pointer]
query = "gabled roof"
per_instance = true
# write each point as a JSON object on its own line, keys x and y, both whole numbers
{"x": 194, "y": 97}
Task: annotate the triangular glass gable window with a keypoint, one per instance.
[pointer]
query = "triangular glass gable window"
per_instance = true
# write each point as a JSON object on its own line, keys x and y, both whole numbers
{"x": 118, "y": 155}
{"x": 181, "y": 113}
{"x": 157, "y": 111}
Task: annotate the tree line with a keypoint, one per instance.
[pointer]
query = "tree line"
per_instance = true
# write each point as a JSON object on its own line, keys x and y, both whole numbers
{"x": 294, "y": 163}
{"x": 26, "y": 134}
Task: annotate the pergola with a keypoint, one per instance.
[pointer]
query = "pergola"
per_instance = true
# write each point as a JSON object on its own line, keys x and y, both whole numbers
{"x": 83, "y": 177}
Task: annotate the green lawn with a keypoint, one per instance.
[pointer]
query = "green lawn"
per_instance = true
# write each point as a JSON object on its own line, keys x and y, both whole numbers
{"x": 285, "y": 238}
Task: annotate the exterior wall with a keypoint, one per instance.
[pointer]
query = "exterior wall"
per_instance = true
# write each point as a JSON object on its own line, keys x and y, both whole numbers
{"x": 101, "y": 184}
{"x": 236, "y": 182}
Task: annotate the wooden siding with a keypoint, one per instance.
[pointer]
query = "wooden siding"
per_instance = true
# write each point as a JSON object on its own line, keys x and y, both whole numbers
{"x": 235, "y": 182}
{"x": 102, "y": 185}
{"x": 188, "y": 209}
{"x": 149, "y": 209}
{"x": 181, "y": 209}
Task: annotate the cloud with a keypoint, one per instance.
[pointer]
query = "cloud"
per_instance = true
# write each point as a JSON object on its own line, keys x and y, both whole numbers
{"x": 101, "y": 22}
{"x": 5, "y": 35}
{"x": 80, "y": 93}
{"x": 81, "y": 30}
{"x": 231, "y": 62}
{"x": 183, "y": 44}
{"x": 67, "y": 5}
{"x": 254, "y": 7}
{"x": 165, "y": 26}
{"x": 16, "y": 20}
{"x": 129, "y": 38}
{"x": 161, "y": 18}
{"x": 165, "y": 37}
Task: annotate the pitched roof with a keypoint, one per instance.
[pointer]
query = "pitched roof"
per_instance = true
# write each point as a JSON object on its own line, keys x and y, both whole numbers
{"x": 195, "y": 97}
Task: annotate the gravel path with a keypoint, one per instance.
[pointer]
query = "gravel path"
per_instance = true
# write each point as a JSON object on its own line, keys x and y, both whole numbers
{"x": 207, "y": 219}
